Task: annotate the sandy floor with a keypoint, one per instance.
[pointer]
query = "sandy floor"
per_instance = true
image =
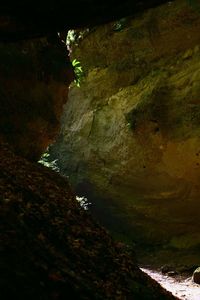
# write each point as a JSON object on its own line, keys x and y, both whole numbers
{"x": 183, "y": 288}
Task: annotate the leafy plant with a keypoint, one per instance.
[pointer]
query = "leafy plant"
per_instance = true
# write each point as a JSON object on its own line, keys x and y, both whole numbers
{"x": 78, "y": 70}
{"x": 75, "y": 36}
{"x": 83, "y": 201}
{"x": 45, "y": 161}
{"x": 119, "y": 25}
{"x": 71, "y": 37}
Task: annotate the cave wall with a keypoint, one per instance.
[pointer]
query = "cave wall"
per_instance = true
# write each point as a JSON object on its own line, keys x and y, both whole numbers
{"x": 130, "y": 134}
{"x": 34, "y": 76}
{"x": 50, "y": 247}
{"x": 46, "y": 239}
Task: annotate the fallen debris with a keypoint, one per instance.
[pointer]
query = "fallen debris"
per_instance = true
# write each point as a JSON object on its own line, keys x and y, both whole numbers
{"x": 51, "y": 248}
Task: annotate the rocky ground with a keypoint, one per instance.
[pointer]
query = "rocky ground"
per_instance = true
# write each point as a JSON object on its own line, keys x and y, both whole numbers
{"x": 181, "y": 286}
{"x": 51, "y": 248}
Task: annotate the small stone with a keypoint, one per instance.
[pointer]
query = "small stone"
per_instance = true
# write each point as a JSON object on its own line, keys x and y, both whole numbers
{"x": 165, "y": 269}
{"x": 196, "y": 276}
{"x": 172, "y": 273}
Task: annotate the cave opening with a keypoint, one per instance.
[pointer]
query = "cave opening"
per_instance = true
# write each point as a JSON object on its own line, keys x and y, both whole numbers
{"x": 127, "y": 142}
{"x": 116, "y": 106}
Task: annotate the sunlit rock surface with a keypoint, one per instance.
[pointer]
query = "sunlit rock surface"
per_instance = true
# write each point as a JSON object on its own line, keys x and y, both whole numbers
{"x": 196, "y": 276}
{"x": 130, "y": 134}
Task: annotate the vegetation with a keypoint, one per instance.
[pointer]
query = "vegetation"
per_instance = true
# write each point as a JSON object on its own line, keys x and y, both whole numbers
{"x": 83, "y": 201}
{"x": 45, "y": 161}
{"x": 78, "y": 70}
{"x": 120, "y": 24}
{"x": 73, "y": 38}
{"x": 52, "y": 164}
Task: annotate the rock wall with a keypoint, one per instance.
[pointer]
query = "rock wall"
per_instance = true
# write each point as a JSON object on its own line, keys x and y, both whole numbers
{"x": 130, "y": 134}
{"x": 34, "y": 77}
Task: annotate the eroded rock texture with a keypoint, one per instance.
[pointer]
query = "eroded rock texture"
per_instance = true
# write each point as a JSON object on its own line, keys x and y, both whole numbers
{"x": 51, "y": 248}
{"x": 130, "y": 134}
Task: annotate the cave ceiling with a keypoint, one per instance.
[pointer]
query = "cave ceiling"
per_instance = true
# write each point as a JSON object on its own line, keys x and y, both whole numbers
{"x": 34, "y": 18}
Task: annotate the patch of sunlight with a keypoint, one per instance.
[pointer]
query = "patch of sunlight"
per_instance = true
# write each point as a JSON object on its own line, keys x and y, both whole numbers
{"x": 47, "y": 162}
{"x": 183, "y": 288}
{"x": 83, "y": 201}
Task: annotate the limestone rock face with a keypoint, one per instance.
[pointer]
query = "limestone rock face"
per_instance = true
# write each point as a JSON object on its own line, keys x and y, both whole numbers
{"x": 34, "y": 76}
{"x": 130, "y": 134}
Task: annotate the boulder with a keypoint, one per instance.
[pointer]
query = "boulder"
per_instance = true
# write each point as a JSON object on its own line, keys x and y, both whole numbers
{"x": 196, "y": 276}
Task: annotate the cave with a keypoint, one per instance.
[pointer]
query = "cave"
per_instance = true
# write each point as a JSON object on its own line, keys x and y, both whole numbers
{"x": 99, "y": 148}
